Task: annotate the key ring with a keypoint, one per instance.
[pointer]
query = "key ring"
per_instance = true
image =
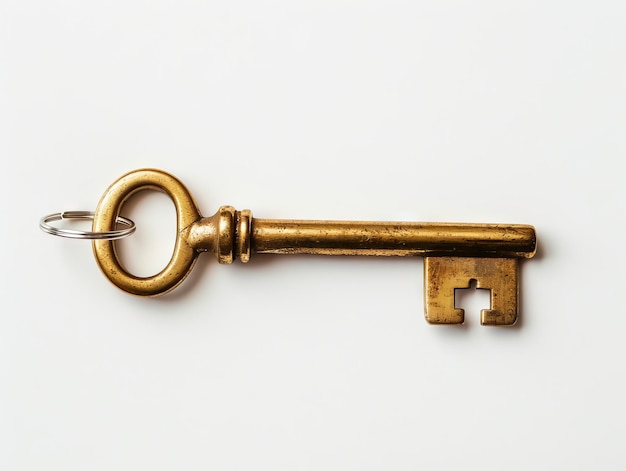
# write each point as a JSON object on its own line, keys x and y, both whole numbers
{"x": 89, "y": 215}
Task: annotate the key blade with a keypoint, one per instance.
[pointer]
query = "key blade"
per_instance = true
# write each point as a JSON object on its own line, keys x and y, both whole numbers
{"x": 442, "y": 275}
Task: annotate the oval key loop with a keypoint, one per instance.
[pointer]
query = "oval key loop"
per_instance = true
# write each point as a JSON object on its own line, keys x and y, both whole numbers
{"x": 107, "y": 212}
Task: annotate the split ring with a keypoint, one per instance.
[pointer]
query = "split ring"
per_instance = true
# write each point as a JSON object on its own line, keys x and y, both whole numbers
{"x": 89, "y": 215}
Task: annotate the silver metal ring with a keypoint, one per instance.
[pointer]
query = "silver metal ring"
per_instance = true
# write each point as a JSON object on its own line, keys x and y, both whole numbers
{"x": 72, "y": 234}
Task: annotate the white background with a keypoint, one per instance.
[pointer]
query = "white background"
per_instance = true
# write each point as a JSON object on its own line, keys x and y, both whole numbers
{"x": 482, "y": 111}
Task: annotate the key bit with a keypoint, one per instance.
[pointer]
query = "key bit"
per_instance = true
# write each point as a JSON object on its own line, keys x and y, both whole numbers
{"x": 454, "y": 254}
{"x": 442, "y": 275}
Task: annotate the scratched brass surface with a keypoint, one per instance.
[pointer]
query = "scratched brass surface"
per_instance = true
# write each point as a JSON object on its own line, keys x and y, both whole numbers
{"x": 391, "y": 238}
{"x": 442, "y": 275}
{"x": 454, "y": 253}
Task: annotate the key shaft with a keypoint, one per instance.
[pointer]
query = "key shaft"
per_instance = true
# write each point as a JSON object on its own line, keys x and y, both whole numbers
{"x": 391, "y": 238}
{"x": 231, "y": 234}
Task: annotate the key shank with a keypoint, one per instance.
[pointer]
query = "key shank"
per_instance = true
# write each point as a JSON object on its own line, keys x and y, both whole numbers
{"x": 232, "y": 234}
{"x": 391, "y": 238}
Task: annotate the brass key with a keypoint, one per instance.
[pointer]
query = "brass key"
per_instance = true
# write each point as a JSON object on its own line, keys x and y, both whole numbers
{"x": 454, "y": 254}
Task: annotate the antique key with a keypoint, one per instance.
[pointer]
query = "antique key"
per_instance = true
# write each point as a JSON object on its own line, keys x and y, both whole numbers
{"x": 454, "y": 254}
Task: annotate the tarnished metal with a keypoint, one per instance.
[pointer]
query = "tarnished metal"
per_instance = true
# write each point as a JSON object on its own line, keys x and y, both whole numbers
{"x": 442, "y": 275}
{"x": 454, "y": 254}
